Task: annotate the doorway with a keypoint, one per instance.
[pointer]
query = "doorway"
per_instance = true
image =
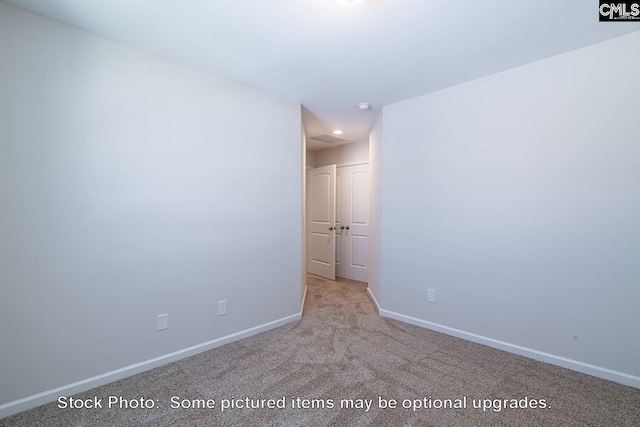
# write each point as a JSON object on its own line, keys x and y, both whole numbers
{"x": 338, "y": 221}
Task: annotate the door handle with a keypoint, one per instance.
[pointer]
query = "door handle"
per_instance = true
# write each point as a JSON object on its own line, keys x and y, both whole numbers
{"x": 342, "y": 227}
{"x": 347, "y": 227}
{"x": 330, "y": 228}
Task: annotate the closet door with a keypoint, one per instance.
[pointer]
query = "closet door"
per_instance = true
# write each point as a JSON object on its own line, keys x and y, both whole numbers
{"x": 321, "y": 222}
{"x": 352, "y": 221}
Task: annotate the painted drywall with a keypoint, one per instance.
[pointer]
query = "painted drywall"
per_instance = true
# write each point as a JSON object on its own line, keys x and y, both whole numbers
{"x": 132, "y": 186}
{"x": 374, "y": 237}
{"x": 517, "y": 198}
{"x": 303, "y": 209}
{"x": 352, "y": 152}
{"x": 311, "y": 159}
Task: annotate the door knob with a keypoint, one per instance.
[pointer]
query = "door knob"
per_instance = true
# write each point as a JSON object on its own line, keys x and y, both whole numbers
{"x": 330, "y": 228}
{"x": 347, "y": 227}
{"x": 342, "y": 227}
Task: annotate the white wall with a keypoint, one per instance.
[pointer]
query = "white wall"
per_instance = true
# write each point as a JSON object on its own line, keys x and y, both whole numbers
{"x": 352, "y": 152}
{"x": 517, "y": 198}
{"x": 132, "y": 186}
{"x": 374, "y": 237}
{"x": 310, "y": 159}
{"x": 303, "y": 209}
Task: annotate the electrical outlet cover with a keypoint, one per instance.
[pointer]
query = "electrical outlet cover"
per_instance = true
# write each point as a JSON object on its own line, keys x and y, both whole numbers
{"x": 431, "y": 295}
{"x": 163, "y": 322}
{"x": 222, "y": 307}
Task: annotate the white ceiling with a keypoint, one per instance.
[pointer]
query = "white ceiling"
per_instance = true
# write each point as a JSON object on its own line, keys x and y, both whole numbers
{"x": 330, "y": 57}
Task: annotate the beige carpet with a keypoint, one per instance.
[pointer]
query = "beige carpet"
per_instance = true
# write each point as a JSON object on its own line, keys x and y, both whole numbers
{"x": 343, "y": 350}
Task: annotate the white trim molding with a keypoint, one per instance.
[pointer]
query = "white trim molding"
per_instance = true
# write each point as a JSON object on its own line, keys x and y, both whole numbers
{"x": 375, "y": 302}
{"x": 574, "y": 365}
{"x": 48, "y": 396}
{"x": 304, "y": 300}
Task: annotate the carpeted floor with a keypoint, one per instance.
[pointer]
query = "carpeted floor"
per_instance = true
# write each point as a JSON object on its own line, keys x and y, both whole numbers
{"x": 343, "y": 350}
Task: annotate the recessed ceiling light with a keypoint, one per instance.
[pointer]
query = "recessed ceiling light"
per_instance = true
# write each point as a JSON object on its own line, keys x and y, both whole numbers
{"x": 337, "y": 132}
{"x": 349, "y": 2}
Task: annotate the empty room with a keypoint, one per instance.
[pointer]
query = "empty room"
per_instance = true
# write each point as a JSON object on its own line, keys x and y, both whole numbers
{"x": 319, "y": 212}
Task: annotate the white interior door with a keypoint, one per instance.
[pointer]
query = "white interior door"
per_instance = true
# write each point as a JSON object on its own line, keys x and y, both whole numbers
{"x": 352, "y": 221}
{"x": 321, "y": 212}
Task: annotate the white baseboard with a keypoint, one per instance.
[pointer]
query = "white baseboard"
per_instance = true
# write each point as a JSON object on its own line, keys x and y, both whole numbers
{"x": 304, "y": 299}
{"x": 30, "y": 402}
{"x": 574, "y": 365}
{"x": 375, "y": 301}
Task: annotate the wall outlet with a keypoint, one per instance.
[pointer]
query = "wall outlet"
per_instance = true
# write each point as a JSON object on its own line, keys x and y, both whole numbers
{"x": 222, "y": 307}
{"x": 431, "y": 295}
{"x": 163, "y": 322}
